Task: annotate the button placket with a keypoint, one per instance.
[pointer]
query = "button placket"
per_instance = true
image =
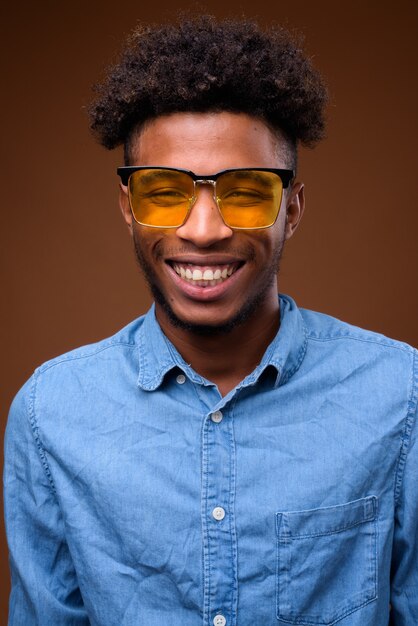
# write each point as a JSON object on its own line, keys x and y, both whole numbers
{"x": 218, "y": 523}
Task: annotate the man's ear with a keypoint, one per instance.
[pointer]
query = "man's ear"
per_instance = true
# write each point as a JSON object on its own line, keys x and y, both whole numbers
{"x": 124, "y": 206}
{"x": 295, "y": 206}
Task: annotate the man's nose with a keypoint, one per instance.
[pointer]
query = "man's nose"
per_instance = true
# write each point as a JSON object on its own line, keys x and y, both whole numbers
{"x": 204, "y": 225}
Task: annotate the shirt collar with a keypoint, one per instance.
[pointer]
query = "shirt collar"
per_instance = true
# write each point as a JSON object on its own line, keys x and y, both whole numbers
{"x": 288, "y": 348}
{"x": 157, "y": 355}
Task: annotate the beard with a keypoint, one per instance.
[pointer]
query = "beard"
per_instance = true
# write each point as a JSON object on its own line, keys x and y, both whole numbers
{"x": 247, "y": 311}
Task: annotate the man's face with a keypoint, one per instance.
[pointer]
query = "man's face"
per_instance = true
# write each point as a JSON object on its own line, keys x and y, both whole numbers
{"x": 206, "y": 143}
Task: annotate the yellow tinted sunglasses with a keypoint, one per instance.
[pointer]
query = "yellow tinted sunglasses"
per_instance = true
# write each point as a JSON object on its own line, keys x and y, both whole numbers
{"x": 162, "y": 197}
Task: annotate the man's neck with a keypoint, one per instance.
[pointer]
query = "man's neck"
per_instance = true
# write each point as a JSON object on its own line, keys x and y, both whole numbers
{"x": 225, "y": 358}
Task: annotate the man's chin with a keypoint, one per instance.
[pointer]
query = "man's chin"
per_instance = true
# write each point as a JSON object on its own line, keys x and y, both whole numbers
{"x": 195, "y": 327}
{"x": 203, "y": 330}
{"x": 248, "y": 310}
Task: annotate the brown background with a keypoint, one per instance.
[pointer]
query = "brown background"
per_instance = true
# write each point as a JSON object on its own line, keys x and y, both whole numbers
{"x": 69, "y": 276}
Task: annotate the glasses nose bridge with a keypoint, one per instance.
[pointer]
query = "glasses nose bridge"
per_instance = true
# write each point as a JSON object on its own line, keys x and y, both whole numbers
{"x": 204, "y": 181}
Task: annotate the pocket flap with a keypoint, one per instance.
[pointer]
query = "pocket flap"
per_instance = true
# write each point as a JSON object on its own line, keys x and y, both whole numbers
{"x": 326, "y": 520}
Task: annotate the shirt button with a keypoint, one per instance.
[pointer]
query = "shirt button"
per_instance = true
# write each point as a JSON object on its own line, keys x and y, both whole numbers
{"x": 218, "y": 513}
{"x": 219, "y": 620}
{"x": 216, "y": 417}
{"x": 181, "y": 379}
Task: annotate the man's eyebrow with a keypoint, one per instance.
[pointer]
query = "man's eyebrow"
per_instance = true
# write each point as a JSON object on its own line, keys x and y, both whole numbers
{"x": 256, "y": 176}
{"x": 153, "y": 175}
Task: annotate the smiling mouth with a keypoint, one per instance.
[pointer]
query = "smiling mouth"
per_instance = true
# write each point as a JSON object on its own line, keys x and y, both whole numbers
{"x": 205, "y": 275}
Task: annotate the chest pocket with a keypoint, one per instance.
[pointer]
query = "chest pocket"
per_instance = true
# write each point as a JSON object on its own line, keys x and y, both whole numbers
{"x": 327, "y": 562}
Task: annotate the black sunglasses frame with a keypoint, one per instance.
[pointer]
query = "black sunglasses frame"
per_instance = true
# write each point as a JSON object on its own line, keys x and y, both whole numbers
{"x": 124, "y": 172}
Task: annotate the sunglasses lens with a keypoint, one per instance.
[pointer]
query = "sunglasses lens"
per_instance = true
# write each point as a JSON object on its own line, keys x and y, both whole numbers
{"x": 249, "y": 198}
{"x": 160, "y": 197}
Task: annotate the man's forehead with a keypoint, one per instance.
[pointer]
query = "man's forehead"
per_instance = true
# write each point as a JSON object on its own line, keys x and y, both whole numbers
{"x": 194, "y": 132}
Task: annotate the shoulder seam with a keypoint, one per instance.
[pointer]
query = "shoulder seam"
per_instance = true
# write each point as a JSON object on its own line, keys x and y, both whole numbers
{"x": 76, "y": 357}
{"x": 410, "y": 419}
{"x": 385, "y": 344}
{"x": 35, "y": 432}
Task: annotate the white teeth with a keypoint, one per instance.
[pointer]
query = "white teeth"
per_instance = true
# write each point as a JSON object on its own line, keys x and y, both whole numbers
{"x": 204, "y": 278}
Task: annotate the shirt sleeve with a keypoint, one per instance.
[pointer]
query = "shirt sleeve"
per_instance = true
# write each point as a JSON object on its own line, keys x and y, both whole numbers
{"x": 404, "y": 575}
{"x": 44, "y": 583}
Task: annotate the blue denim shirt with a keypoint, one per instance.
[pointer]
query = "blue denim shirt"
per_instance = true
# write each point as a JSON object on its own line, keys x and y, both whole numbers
{"x": 137, "y": 496}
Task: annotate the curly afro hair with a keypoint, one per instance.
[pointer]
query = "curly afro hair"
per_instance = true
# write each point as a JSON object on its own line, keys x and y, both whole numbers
{"x": 202, "y": 65}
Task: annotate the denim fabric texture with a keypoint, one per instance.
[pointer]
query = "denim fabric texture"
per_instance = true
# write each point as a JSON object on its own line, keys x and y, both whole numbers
{"x": 135, "y": 495}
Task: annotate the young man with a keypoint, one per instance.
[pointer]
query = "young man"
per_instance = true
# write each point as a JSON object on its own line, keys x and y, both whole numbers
{"x": 227, "y": 458}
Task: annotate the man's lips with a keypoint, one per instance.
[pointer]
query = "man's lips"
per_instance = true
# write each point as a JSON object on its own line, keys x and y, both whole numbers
{"x": 203, "y": 279}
